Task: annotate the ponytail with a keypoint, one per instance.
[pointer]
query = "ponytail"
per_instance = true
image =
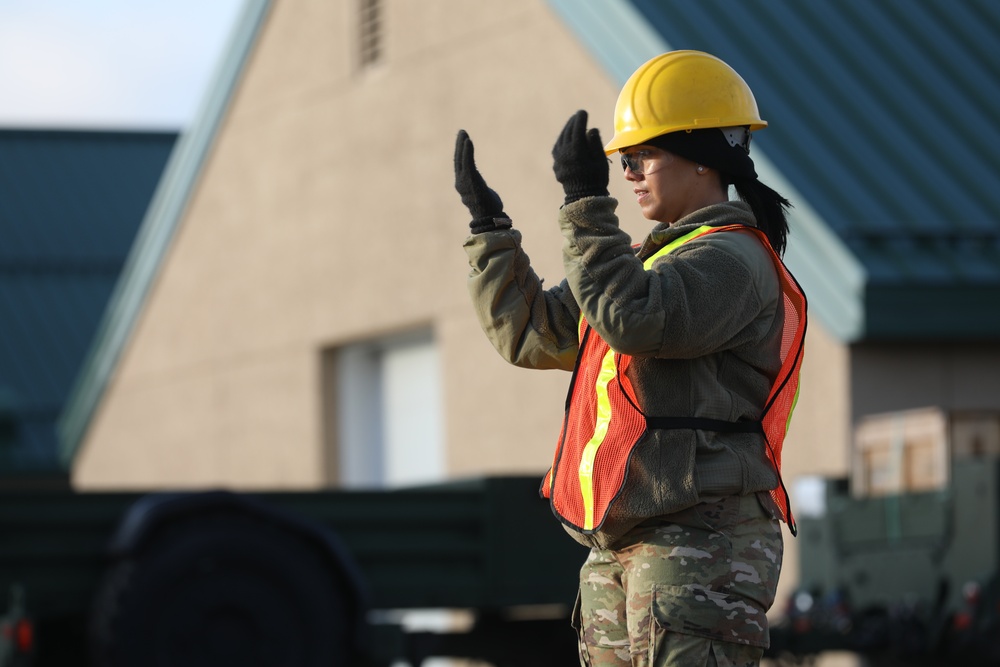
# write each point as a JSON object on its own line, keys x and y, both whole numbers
{"x": 769, "y": 208}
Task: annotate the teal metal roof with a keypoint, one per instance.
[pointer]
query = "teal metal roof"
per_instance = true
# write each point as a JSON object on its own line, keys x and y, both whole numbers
{"x": 70, "y": 205}
{"x": 882, "y": 123}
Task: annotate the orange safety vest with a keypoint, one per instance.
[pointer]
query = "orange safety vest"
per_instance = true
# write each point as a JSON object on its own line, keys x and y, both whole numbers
{"x": 603, "y": 421}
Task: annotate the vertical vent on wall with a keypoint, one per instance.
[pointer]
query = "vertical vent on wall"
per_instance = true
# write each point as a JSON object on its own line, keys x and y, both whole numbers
{"x": 370, "y": 28}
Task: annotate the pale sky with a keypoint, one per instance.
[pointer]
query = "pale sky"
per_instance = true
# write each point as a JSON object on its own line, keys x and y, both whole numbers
{"x": 115, "y": 64}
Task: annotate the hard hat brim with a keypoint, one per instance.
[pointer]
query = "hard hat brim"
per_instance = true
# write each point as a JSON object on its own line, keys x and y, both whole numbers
{"x": 640, "y": 136}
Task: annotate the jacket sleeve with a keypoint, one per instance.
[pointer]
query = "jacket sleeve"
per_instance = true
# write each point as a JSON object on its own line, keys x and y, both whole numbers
{"x": 710, "y": 294}
{"x": 529, "y": 326}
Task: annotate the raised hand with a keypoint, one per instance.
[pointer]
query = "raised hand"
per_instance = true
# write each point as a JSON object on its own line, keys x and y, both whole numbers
{"x": 579, "y": 161}
{"x": 483, "y": 203}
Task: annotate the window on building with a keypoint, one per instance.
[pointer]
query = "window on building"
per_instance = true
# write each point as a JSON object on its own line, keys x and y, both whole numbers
{"x": 370, "y": 31}
{"x": 384, "y": 426}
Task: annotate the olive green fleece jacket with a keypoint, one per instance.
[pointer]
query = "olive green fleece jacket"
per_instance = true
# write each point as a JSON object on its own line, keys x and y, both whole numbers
{"x": 703, "y": 326}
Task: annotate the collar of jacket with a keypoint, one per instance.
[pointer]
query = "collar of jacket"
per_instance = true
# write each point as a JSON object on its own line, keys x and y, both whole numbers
{"x": 725, "y": 213}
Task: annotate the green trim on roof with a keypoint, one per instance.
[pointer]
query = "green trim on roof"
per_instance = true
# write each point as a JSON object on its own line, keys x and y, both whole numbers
{"x": 834, "y": 280}
{"x": 156, "y": 234}
{"x": 947, "y": 314}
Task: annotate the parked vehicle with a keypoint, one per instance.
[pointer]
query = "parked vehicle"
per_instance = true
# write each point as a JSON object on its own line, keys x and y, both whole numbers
{"x": 319, "y": 578}
{"x": 297, "y": 579}
{"x": 904, "y": 579}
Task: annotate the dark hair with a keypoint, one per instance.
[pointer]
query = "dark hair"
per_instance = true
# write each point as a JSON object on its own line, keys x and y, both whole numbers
{"x": 769, "y": 208}
{"x": 710, "y": 147}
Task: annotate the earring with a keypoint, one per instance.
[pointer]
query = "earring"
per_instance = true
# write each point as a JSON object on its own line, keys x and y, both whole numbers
{"x": 701, "y": 169}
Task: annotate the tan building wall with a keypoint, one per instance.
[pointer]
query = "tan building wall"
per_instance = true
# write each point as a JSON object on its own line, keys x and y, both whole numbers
{"x": 326, "y": 214}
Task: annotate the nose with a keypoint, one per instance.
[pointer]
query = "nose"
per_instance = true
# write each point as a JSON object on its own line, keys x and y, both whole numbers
{"x": 632, "y": 176}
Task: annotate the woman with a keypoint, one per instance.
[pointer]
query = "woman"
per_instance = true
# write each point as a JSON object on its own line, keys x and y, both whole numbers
{"x": 685, "y": 353}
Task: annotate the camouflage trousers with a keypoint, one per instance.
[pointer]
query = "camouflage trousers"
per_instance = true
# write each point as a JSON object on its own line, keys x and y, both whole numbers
{"x": 689, "y": 589}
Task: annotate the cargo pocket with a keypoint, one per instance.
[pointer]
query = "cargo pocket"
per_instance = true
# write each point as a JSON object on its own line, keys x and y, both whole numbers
{"x": 666, "y": 647}
{"x": 708, "y": 614}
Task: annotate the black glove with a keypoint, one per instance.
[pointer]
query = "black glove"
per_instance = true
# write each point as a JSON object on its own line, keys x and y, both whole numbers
{"x": 580, "y": 163}
{"x": 483, "y": 203}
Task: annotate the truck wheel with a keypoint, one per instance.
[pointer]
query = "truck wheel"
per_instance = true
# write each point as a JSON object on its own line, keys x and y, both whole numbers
{"x": 222, "y": 589}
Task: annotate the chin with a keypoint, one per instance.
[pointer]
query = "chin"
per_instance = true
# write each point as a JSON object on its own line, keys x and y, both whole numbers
{"x": 647, "y": 211}
{"x": 651, "y": 215}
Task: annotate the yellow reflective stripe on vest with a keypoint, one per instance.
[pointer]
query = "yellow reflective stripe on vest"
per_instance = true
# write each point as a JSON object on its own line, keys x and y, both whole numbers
{"x": 795, "y": 401}
{"x": 586, "y": 469}
{"x": 648, "y": 264}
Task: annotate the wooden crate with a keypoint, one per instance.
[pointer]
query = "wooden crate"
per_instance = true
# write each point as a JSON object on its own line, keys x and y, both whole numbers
{"x": 900, "y": 452}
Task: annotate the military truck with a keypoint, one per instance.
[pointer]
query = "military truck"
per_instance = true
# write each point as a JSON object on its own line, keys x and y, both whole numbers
{"x": 906, "y": 578}
{"x": 299, "y": 579}
{"x": 902, "y": 576}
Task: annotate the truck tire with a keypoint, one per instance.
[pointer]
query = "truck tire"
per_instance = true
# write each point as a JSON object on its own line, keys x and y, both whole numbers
{"x": 218, "y": 589}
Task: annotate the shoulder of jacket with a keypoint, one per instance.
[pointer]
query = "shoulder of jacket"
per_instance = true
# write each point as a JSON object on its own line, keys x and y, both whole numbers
{"x": 733, "y": 241}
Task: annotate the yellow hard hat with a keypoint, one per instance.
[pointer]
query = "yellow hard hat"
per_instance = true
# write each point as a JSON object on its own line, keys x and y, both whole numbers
{"x": 681, "y": 90}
